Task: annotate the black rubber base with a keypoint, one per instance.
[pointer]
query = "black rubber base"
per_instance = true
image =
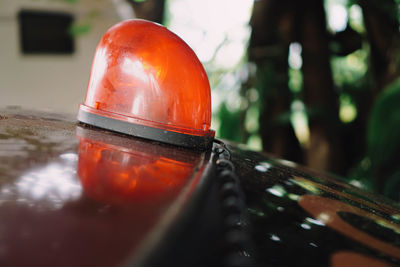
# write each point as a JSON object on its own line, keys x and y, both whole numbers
{"x": 164, "y": 136}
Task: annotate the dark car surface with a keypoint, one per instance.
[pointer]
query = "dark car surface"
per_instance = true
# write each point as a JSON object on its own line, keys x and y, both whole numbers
{"x": 74, "y": 195}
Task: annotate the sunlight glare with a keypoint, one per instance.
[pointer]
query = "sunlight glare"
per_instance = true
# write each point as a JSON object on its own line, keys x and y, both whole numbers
{"x": 337, "y": 17}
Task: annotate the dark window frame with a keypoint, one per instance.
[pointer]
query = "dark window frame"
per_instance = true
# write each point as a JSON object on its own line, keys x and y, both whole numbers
{"x": 45, "y": 32}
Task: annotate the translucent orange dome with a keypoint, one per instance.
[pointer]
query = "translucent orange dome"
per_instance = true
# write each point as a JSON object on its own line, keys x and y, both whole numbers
{"x": 146, "y": 81}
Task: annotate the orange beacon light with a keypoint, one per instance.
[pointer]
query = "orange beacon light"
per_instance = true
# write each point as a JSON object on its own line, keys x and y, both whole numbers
{"x": 147, "y": 82}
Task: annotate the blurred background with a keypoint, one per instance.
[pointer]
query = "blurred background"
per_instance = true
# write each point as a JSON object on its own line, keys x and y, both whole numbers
{"x": 315, "y": 82}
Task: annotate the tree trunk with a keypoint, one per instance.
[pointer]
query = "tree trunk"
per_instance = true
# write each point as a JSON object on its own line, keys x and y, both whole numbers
{"x": 272, "y": 23}
{"x": 152, "y": 10}
{"x": 381, "y": 23}
{"x": 321, "y": 100}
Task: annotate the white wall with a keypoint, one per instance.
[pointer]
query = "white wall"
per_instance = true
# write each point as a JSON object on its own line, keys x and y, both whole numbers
{"x": 49, "y": 82}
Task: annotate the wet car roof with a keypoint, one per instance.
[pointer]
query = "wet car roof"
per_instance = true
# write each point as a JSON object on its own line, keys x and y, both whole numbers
{"x": 76, "y": 195}
{"x": 304, "y": 218}
{"x": 86, "y": 197}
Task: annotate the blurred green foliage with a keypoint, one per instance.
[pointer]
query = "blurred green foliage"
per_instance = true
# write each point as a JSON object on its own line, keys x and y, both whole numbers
{"x": 230, "y": 123}
{"x": 383, "y": 144}
{"x": 383, "y": 135}
{"x": 375, "y": 165}
{"x": 79, "y": 29}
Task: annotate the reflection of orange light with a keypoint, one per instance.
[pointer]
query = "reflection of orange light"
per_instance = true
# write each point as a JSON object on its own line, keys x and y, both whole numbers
{"x": 113, "y": 174}
{"x": 144, "y": 74}
{"x": 326, "y": 210}
{"x": 357, "y": 195}
{"x": 352, "y": 259}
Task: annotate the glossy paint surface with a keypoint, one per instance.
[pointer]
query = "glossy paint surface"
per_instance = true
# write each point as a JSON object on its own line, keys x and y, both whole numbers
{"x": 72, "y": 196}
{"x": 76, "y": 196}
{"x": 304, "y": 218}
{"x": 145, "y": 74}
